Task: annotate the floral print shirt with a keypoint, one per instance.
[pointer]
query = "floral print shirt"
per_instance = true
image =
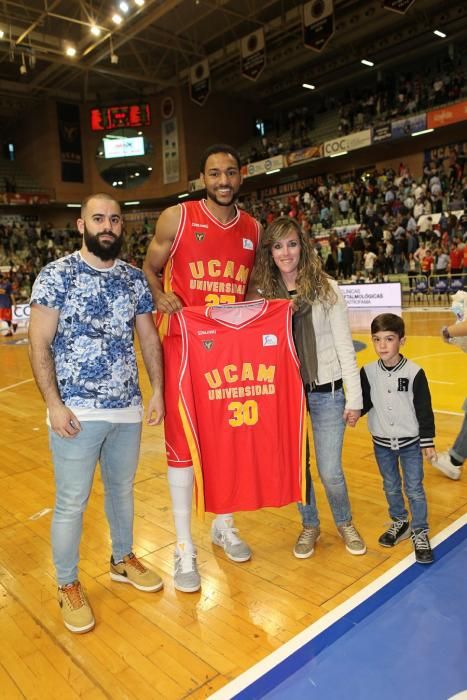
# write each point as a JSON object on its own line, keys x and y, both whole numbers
{"x": 93, "y": 348}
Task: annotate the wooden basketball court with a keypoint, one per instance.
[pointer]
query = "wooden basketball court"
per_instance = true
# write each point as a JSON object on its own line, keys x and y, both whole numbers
{"x": 175, "y": 645}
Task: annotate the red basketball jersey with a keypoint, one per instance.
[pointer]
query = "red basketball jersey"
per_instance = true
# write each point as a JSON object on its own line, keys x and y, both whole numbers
{"x": 242, "y": 405}
{"x": 210, "y": 262}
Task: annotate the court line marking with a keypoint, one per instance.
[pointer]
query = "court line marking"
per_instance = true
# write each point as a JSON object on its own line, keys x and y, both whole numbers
{"x": 448, "y": 413}
{"x": 12, "y": 386}
{"x": 262, "y": 667}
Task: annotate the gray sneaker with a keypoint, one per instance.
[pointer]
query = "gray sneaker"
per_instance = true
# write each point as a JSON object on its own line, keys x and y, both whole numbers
{"x": 233, "y": 546}
{"x": 305, "y": 545}
{"x": 186, "y": 576}
{"x": 352, "y": 540}
{"x": 444, "y": 464}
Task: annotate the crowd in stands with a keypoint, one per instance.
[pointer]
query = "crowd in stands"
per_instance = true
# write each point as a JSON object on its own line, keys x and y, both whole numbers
{"x": 376, "y": 225}
{"x": 393, "y": 97}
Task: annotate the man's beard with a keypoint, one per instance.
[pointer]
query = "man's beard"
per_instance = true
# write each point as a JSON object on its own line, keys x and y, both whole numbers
{"x": 212, "y": 195}
{"x": 103, "y": 251}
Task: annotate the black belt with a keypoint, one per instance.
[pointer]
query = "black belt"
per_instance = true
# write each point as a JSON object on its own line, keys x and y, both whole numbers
{"x": 325, "y": 388}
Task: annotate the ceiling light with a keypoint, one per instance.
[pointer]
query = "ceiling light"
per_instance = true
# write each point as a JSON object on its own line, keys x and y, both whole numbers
{"x": 185, "y": 194}
{"x": 2, "y": 33}
{"x": 367, "y": 63}
{"x": 423, "y": 131}
{"x": 441, "y": 35}
{"x": 124, "y": 6}
{"x": 149, "y": 167}
{"x": 140, "y": 3}
{"x": 271, "y": 172}
{"x": 73, "y": 206}
{"x": 22, "y": 69}
{"x": 336, "y": 155}
{"x": 95, "y": 30}
{"x": 116, "y": 18}
{"x": 136, "y": 174}
{"x": 70, "y": 51}
{"x": 308, "y": 86}
{"x": 114, "y": 59}
{"x": 129, "y": 204}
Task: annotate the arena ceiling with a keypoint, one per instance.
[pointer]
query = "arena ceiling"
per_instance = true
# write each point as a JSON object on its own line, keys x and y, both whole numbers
{"x": 158, "y": 41}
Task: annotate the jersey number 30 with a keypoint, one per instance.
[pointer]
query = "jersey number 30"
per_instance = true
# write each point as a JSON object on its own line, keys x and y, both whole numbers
{"x": 243, "y": 413}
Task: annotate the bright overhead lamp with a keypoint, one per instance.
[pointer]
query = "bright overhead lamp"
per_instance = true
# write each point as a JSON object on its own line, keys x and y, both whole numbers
{"x": 276, "y": 170}
{"x": 149, "y": 167}
{"x": 124, "y": 6}
{"x": 308, "y": 86}
{"x": 441, "y": 35}
{"x": 70, "y": 51}
{"x": 423, "y": 131}
{"x": 185, "y": 194}
{"x": 130, "y": 204}
{"x": 95, "y": 30}
{"x": 23, "y": 69}
{"x": 116, "y": 18}
{"x": 73, "y": 206}
{"x": 140, "y": 3}
{"x": 2, "y": 33}
{"x": 367, "y": 63}
{"x": 336, "y": 155}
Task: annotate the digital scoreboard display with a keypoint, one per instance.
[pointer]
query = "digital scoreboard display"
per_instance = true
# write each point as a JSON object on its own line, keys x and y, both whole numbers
{"x": 120, "y": 117}
{"x": 123, "y": 147}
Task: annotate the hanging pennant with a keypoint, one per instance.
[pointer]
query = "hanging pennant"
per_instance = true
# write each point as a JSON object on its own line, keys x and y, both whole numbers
{"x": 400, "y": 6}
{"x": 200, "y": 82}
{"x": 253, "y": 54}
{"x": 318, "y": 23}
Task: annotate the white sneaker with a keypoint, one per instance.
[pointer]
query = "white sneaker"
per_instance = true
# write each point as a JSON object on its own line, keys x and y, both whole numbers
{"x": 186, "y": 576}
{"x": 233, "y": 546}
{"x": 444, "y": 464}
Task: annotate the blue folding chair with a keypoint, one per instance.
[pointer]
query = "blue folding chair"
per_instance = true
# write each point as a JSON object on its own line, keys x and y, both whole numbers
{"x": 440, "y": 288}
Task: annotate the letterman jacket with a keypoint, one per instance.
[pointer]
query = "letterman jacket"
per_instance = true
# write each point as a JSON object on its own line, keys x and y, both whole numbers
{"x": 398, "y": 402}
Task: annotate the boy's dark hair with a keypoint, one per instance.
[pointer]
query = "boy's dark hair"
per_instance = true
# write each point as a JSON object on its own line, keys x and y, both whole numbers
{"x": 388, "y": 322}
{"x": 219, "y": 148}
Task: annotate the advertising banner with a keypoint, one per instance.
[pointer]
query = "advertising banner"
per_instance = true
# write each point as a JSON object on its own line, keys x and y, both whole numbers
{"x": 318, "y": 23}
{"x": 200, "y": 82}
{"x": 382, "y": 132}
{"x": 263, "y": 166}
{"x": 253, "y": 54}
{"x": 69, "y": 133}
{"x": 408, "y": 125}
{"x": 361, "y": 296}
{"x": 447, "y": 115}
{"x": 358, "y": 139}
{"x": 400, "y": 6}
{"x": 332, "y": 148}
{"x": 304, "y": 154}
{"x": 170, "y": 151}
{"x": 17, "y": 198}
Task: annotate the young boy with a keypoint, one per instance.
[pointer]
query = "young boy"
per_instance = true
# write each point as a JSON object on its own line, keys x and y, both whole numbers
{"x": 400, "y": 418}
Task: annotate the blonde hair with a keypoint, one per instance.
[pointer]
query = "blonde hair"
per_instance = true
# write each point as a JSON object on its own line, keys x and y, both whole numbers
{"x": 312, "y": 283}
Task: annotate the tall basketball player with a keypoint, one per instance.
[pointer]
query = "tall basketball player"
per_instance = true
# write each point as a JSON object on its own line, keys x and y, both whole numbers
{"x": 202, "y": 253}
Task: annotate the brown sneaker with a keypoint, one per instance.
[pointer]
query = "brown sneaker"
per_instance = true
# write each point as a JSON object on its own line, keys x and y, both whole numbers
{"x": 305, "y": 545}
{"x": 76, "y": 611}
{"x": 131, "y": 570}
{"x": 352, "y": 540}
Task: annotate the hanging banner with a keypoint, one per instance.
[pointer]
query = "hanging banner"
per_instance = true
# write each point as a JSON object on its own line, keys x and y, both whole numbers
{"x": 200, "y": 82}
{"x": 318, "y": 23}
{"x": 253, "y": 54}
{"x": 170, "y": 151}
{"x": 400, "y": 6}
{"x": 304, "y": 154}
{"x": 69, "y": 131}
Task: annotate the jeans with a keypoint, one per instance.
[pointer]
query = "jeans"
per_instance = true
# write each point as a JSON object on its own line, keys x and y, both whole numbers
{"x": 411, "y": 463}
{"x": 459, "y": 449}
{"x": 326, "y": 411}
{"x": 116, "y": 447}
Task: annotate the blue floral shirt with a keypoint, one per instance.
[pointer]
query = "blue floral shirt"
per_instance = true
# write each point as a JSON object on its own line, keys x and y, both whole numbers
{"x": 93, "y": 348}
